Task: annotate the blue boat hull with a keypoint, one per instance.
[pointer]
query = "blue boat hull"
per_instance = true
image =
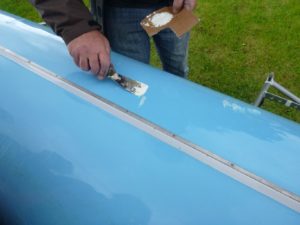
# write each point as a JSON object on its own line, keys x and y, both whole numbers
{"x": 67, "y": 159}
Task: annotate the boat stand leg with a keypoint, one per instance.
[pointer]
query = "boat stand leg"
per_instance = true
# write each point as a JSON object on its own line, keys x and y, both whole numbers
{"x": 294, "y": 101}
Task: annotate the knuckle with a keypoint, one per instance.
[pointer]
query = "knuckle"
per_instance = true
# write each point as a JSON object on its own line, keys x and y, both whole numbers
{"x": 95, "y": 69}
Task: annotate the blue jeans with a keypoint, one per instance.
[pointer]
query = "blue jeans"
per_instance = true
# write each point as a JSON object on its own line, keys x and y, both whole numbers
{"x": 127, "y": 37}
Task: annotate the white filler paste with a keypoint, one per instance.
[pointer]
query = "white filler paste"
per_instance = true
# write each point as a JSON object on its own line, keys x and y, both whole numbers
{"x": 161, "y": 19}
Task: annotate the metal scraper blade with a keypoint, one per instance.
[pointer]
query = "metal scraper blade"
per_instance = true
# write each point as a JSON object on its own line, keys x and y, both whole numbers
{"x": 135, "y": 87}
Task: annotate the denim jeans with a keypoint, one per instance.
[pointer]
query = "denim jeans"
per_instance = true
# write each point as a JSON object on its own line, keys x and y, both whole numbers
{"x": 127, "y": 37}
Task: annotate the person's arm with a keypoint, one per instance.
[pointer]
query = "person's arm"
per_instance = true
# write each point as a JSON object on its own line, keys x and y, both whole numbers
{"x": 187, "y": 4}
{"x": 71, "y": 20}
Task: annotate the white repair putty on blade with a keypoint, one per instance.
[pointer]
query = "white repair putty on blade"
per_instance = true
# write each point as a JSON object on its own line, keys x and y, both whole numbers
{"x": 135, "y": 87}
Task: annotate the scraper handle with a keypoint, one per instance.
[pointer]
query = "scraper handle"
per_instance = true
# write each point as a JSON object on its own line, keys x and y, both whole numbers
{"x": 112, "y": 74}
{"x": 111, "y": 71}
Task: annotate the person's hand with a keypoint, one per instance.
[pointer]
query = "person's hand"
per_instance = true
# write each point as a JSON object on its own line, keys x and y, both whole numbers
{"x": 187, "y": 4}
{"x": 91, "y": 51}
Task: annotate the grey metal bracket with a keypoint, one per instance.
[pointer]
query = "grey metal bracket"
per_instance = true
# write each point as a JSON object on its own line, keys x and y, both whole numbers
{"x": 293, "y": 100}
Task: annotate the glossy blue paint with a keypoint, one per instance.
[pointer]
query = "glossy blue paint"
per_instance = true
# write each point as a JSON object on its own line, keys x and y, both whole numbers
{"x": 256, "y": 140}
{"x": 64, "y": 161}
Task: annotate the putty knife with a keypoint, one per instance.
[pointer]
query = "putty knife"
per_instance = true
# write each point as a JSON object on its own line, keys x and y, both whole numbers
{"x": 135, "y": 87}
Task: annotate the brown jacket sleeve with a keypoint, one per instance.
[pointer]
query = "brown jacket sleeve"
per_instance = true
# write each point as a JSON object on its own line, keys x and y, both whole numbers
{"x": 68, "y": 18}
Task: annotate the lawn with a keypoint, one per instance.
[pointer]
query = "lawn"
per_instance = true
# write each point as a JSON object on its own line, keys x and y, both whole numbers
{"x": 236, "y": 45}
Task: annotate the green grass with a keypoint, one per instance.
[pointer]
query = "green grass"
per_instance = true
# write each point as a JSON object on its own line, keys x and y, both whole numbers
{"x": 21, "y": 8}
{"x": 235, "y": 46}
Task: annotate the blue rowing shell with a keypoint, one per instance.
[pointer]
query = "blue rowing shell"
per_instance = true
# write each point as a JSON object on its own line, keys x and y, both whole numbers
{"x": 75, "y": 150}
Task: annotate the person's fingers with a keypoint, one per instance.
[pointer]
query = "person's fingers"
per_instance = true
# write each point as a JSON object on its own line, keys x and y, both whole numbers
{"x": 91, "y": 51}
{"x": 177, "y": 5}
{"x": 76, "y": 59}
{"x": 190, "y": 4}
{"x": 100, "y": 77}
{"x": 94, "y": 64}
{"x": 84, "y": 63}
{"x": 105, "y": 63}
